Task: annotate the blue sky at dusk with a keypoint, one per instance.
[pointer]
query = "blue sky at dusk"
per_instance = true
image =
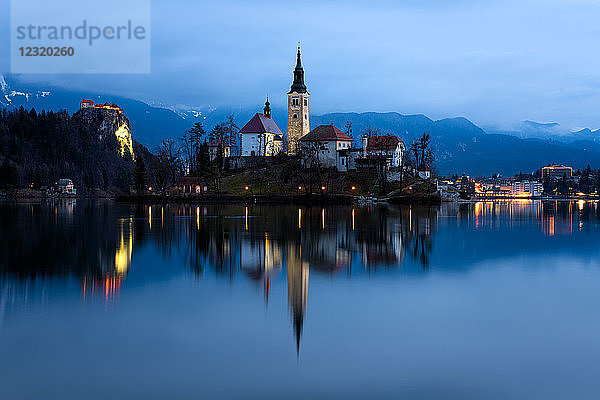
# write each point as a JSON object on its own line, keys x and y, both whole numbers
{"x": 494, "y": 62}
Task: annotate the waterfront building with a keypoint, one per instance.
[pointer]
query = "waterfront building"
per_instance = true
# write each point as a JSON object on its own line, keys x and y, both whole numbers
{"x": 527, "y": 189}
{"x": 261, "y": 136}
{"x": 556, "y": 172}
{"x": 66, "y": 186}
{"x": 298, "y": 109}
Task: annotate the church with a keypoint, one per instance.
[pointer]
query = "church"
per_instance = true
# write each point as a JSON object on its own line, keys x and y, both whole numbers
{"x": 262, "y": 137}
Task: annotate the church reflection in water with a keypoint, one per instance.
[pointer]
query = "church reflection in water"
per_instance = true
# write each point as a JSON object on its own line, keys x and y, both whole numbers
{"x": 95, "y": 243}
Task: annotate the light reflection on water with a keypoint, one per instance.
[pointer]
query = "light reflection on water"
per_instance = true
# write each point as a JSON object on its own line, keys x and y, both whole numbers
{"x": 87, "y": 270}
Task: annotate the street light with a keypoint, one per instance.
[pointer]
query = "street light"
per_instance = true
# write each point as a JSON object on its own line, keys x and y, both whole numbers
{"x": 246, "y": 187}
{"x": 353, "y": 187}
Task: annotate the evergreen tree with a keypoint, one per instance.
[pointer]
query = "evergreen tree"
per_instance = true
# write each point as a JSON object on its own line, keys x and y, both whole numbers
{"x": 203, "y": 159}
{"x": 9, "y": 176}
{"x": 197, "y": 135}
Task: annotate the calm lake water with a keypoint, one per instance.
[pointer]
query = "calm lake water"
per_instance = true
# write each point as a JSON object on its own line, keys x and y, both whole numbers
{"x": 471, "y": 301}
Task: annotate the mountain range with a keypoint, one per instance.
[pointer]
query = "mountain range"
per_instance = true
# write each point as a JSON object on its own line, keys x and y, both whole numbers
{"x": 459, "y": 145}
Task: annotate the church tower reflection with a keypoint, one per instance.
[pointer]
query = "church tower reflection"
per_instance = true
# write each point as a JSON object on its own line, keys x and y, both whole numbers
{"x": 297, "y": 288}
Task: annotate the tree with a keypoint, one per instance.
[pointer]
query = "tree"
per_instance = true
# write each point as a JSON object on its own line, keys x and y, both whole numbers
{"x": 140, "y": 176}
{"x": 231, "y": 130}
{"x": 187, "y": 150}
{"x": 219, "y": 134}
{"x": 196, "y": 135}
{"x": 9, "y": 176}
{"x": 203, "y": 160}
{"x": 370, "y": 132}
{"x": 348, "y": 128}
{"x": 422, "y": 152}
{"x": 169, "y": 157}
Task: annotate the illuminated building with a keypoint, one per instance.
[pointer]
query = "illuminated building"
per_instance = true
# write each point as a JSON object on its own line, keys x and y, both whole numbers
{"x": 323, "y": 145}
{"x": 261, "y": 136}
{"x": 66, "y": 186}
{"x": 105, "y": 106}
{"x": 556, "y": 172}
{"x": 213, "y": 149}
{"x": 527, "y": 189}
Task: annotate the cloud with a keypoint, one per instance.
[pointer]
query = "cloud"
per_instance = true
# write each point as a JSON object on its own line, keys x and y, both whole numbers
{"x": 490, "y": 61}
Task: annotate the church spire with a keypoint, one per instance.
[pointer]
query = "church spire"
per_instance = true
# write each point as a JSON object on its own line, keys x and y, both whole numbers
{"x": 298, "y": 85}
{"x": 267, "y": 109}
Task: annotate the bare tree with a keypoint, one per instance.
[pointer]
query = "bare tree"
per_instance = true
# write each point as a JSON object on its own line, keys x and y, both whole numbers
{"x": 422, "y": 152}
{"x": 169, "y": 155}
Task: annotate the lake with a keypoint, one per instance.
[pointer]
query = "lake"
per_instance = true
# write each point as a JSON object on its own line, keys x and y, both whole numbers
{"x": 490, "y": 300}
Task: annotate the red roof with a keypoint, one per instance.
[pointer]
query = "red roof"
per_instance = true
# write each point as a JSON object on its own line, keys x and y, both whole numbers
{"x": 323, "y": 133}
{"x": 87, "y": 101}
{"x": 383, "y": 143}
{"x": 260, "y": 123}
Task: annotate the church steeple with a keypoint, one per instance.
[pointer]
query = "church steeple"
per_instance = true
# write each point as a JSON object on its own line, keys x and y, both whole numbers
{"x": 298, "y": 85}
{"x": 298, "y": 109}
{"x": 267, "y": 109}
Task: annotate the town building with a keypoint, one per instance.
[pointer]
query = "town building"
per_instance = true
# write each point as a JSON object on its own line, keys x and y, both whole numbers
{"x": 66, "y": 186}
{"x": 527, "y": 189}
{"x": 261, "y": 136}
{"x": 213, "y": 149}
{"x": 192, "y": 185}
{"x": 556, "y": 172}
{"x": 298, "y": 109}
{"x": 389, "y": 149}
{"x": 326, "y": 145}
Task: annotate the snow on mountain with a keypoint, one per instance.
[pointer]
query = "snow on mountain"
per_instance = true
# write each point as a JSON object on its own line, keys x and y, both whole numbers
{"x": 17, "y": 98}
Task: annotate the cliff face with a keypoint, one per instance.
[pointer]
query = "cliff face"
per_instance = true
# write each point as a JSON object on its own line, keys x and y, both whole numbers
{"x": 108, "y": 124}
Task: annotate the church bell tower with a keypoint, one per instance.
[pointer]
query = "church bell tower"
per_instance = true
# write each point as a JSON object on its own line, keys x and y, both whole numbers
{"x": 298, "y": 106}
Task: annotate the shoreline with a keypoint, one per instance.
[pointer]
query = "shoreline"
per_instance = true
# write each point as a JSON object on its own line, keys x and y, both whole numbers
{"x": 427, "y": 200}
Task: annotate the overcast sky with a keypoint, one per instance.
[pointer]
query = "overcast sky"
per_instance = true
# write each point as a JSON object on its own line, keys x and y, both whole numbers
{"x": 494, "y": 62}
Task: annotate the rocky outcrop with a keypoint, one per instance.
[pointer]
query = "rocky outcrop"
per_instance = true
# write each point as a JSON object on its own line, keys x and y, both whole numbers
{"x": 108, "y": 124}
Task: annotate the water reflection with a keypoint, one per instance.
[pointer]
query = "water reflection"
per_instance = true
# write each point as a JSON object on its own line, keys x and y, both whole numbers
{"x": 94, "y": 244}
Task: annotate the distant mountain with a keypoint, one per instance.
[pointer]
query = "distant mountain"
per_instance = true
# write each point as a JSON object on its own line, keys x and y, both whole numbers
{"x": 460, "y": 146}
{"x": 149, "y": 124}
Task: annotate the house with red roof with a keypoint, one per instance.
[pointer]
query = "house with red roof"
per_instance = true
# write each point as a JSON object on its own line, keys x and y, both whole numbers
{"x": 389, "y": 148}
{"x": 326, "y": 145}
{"x": 261, "y": 136}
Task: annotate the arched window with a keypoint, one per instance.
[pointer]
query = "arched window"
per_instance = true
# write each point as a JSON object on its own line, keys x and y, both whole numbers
{"x": 295, "y": 116}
